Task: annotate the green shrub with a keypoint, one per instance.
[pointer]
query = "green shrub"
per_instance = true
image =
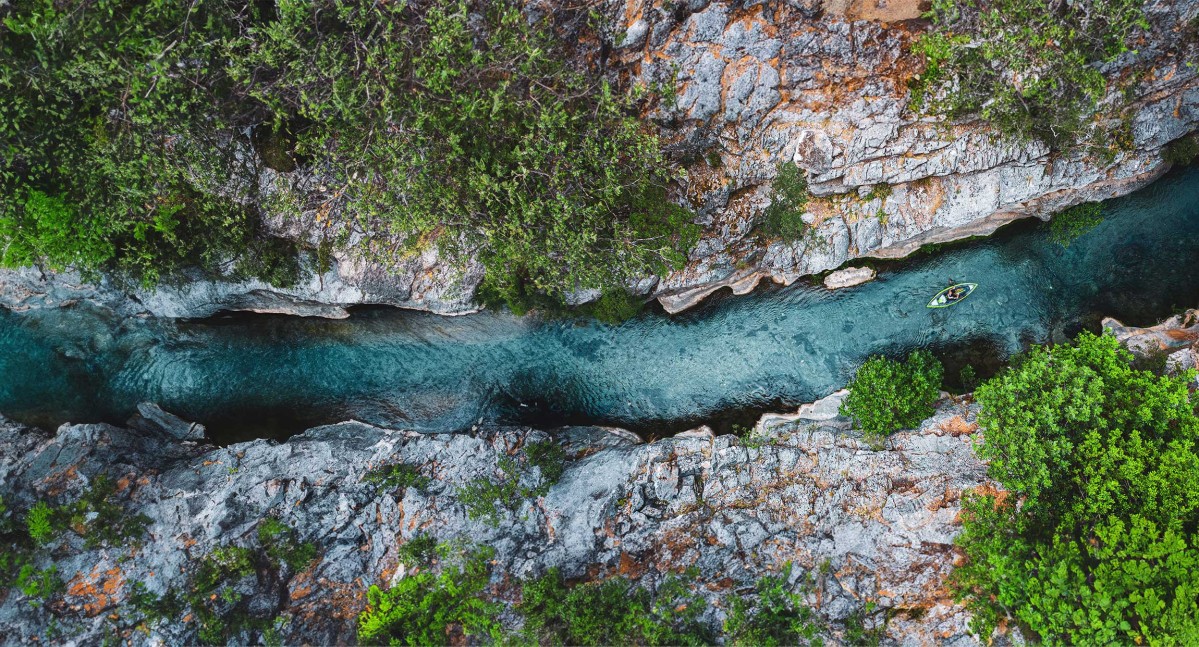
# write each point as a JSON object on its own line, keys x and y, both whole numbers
{"x": 39, "y": 585}
{"x": 398, "y": 476}
{"x": 788, "y": 197}
{"x": 39, "y": 522}
{"x": 220, "y": 611}
{"x": 888, "y": 395}
{"x": 1028, "y": 67}
{"x": 616, "y": 306}
{"x": 120, "y": 150}
{"x": 1182, "y": 151}
{"x": 776, "y": 617}
{"x": 419, "y": 549}
{"x": 421, "y": 607}
{"x": 1093, "y": 540}
{"x": 486, "y": 499}
{"x": 1068, "y": 225}
{"x": 279, "y": 542}
{"x": 482, "y": 495}
{"x": 550, "y": 459}
{"x": 100, "y": 519}
{"x": 612, "y": 612}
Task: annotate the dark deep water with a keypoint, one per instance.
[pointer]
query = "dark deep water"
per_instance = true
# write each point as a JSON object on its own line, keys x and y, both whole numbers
{"x": 260, "y": 375}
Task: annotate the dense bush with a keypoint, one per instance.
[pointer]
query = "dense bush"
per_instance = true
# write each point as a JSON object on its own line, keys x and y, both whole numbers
{"x": 1028, "y": 67}
{"x": 612, "y": 612}
{"x": 1094, "y": 539}
{"x": 397, "y": 476}
{"x": 1067, "y": 226}
{"x": 887, "y": 395}
{"x": 783, "y": 218}
{"x": 421, "y": 607}
{"x": 777, "y": 617}
{"x": 487, "y": 499}
{"x": 120, "y": 149}
{"x": 456, "y": 121}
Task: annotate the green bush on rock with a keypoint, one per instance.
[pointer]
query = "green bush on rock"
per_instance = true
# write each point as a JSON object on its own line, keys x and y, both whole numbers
{"x": 121, "y": 149}
{"x": 789, "y": 195}
{"x": 612, "y": 612}
{"x": 777, "y": 617}
{"x": 420, "y": 607}
{"x": 1094, "y": 540}
{"x": 494, "y": 141}
{"x": 887, "y": 395}
{"x": 1030, "y": 68}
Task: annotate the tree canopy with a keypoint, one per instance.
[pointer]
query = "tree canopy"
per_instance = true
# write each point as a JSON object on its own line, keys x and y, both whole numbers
{"x": 1093, "y": 540}
{"x": 137, "y": 133}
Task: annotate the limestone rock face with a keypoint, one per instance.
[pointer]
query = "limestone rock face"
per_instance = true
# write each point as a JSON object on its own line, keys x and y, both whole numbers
{"x": 866, "y": 525}
{"x": 824, "y": 84}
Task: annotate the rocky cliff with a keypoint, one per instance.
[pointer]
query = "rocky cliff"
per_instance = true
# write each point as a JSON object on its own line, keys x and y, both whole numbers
{"x": 869, "y": 530}
{"x": 823, "y": 84}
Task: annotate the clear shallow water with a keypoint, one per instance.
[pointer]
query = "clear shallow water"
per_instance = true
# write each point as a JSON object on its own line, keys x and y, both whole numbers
{"x": 266, "y": 375}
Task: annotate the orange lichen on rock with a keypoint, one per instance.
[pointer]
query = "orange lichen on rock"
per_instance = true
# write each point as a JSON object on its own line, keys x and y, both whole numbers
{"x": 958, "y": 426}
{"x": 95, "y": 592}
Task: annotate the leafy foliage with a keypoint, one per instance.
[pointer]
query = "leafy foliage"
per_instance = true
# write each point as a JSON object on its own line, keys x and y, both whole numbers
{"x": 612, "y": 612}
{"x": 38, "y": 585}
{"x": 778, "y": 616}
{"x": 282, "y": 546}
{"x": 460, "y": 123}
{"x": 1068, "y": 225}
{"x": 100, "y": 519}
{"x": 97, "y": 516}
{"x": 1093, "y": 541}
{"x": 420, "y": 608}
{"x": 398, "y": 476}
{"x": 118, "y": 120}
{"x": 888, "y": 395}
{"x": 789, "y": 195}
{"x": 1028, "y": 67}
{"x": 216, "y": 595}
{"x": 550, "y": 460}
{"x": 38, "y": 521}
{"x": 616, "y": 306}
{"x": 486, "y": 499}
{"x": 493, "y": 141}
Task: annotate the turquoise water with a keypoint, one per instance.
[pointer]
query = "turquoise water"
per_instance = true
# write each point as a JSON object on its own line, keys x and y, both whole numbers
{"x": 267, "y": 375}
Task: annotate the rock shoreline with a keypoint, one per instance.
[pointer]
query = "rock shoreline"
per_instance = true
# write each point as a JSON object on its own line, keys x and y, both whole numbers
{"x": 866, "y": 525}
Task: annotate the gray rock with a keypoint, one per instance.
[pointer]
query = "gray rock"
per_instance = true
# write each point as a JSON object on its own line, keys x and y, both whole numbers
{"x": 849, "y": 277}
{"x": 151, "y": 418}
{"x": 865, "y": 524}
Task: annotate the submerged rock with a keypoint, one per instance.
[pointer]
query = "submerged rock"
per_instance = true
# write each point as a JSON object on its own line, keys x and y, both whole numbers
{"x": 867, "y": 528}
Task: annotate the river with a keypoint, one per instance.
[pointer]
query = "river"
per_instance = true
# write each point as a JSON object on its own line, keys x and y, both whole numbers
{"x": 263, "y": 375}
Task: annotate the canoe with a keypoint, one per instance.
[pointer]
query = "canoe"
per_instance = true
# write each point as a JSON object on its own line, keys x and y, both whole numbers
{"x": 940, "y": 301}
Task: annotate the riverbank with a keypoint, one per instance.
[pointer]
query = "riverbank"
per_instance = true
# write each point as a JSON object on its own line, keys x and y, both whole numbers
{"x": 870, "y": 531}
{"x": 757, "y": 87}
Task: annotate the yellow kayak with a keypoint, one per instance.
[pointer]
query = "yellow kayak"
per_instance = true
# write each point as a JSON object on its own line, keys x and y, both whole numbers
{"x": 952, "y": 294}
